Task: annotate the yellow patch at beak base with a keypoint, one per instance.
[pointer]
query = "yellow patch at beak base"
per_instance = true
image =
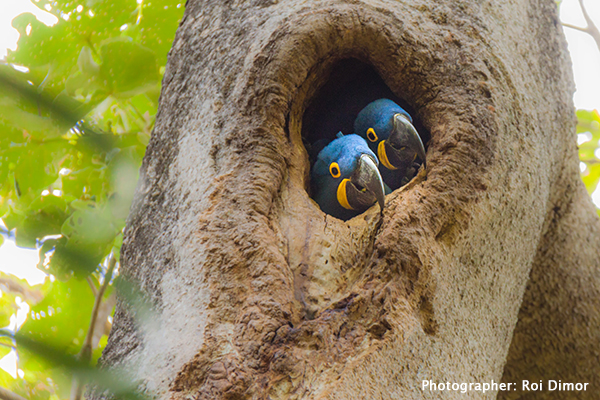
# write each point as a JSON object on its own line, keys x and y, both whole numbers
{"x": 383, "y": 156}
{"x": 341, "y": 194}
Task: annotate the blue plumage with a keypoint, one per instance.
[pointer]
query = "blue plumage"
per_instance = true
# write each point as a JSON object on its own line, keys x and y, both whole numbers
{"x": 388, "y": 130}
{"x": 345, "y": 180}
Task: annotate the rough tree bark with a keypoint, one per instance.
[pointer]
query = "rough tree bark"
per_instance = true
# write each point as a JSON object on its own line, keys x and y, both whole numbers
{"x": 485, "y": 266}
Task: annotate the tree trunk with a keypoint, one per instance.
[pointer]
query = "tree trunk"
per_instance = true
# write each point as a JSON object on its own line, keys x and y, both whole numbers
{"x": 257, "y": 294}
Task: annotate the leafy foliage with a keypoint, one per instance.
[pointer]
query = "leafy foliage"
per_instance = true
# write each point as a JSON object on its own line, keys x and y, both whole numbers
{"x": 77, "y": 106}
{"x": 588, "y": 129}
{"x": 74, "y": 124}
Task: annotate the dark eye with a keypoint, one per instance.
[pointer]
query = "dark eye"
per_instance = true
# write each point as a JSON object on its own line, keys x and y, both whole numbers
{"x": 371, "y": 135}
{"x": 334, "y": 169}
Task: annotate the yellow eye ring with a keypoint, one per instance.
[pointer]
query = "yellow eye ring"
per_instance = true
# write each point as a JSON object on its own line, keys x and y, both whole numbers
{"x": 334, "y": 170}
{"x": 371, "y": 135}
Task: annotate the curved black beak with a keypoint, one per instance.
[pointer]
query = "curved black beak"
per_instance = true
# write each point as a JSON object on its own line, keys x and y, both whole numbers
{"x": 367, "y": 185}
{"x": 405, "y": 140}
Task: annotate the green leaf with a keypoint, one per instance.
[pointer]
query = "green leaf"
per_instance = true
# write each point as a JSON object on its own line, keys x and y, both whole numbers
{"x": 90, "y": 224}
{"x": 138, "y": 75}
{"x": 78, "y": 122}
{"x": 86, "y": 62}
{"x": 589, "y": 121}
{"x": 72, "y": 258}
{"x": 88, "y": 235}
{"x": 8, "y": 307}
{"x": 591, "y": 177}
{"x": 85, "y": 181}
{"x": 40, "y": 127}
{"x": 62, "y": 318}
{"x": 38, "y": 113}
{"x": 158, "y": 25}
{"x": 6, "y": 380}
{"x": 46, "y": 217}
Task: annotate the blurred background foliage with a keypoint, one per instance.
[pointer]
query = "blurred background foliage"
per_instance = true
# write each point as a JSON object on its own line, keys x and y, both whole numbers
{"x": 77, "y": 107}
{"x": 588, "y": 138}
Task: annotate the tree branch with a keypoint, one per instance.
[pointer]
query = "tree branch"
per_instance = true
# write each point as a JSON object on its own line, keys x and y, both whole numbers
{"x": 86, "y": 350}
{"x": 6, "y": 394}
{"x": 577, "y": 28}
{"x": 92, "y": 286}
{"x": 591, "y": 28}
{"x": 590, "y": 24}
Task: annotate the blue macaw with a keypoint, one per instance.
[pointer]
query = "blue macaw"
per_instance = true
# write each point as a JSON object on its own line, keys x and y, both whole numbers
{"x": 389, "y": 131}
{"x": 345, "y": 179}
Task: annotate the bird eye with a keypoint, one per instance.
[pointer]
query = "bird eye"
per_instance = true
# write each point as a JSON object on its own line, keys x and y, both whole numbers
{"x": 371, "y": 134}
{"x": 334, "y": 169}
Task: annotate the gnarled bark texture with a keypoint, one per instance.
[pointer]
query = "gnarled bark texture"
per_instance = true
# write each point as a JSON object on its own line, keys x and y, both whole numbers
{"x": 483, "y": 267}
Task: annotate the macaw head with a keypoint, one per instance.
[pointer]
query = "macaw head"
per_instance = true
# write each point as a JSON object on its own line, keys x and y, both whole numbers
{"x": 389, "y": 131}
{"x": 345, "y": 178}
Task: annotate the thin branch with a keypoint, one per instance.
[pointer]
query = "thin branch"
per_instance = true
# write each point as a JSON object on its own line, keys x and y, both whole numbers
{"x": 6, "y": 394}
{"x": 591, "y": 162}
{"x": 577, "y": 28}
{"x": 92, "y": 286}
{"x": 86, "y": 350}
{"x": 591, "y": 28}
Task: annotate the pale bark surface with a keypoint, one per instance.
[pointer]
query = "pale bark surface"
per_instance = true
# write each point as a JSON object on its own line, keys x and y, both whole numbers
{"x": 258, "y": 294}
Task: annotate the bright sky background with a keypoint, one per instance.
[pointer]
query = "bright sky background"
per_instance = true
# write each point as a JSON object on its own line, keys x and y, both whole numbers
{"x": 586, "y": 67}
{"x": 584, "y": 53}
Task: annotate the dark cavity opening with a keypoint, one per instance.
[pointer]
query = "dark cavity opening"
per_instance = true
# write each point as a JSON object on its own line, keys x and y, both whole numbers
{"x": 350, "y": 86}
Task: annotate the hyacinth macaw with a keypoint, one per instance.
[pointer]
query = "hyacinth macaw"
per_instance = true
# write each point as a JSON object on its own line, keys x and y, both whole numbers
{"x": 345, "y": 178}
{"x": 389, "y": 131}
